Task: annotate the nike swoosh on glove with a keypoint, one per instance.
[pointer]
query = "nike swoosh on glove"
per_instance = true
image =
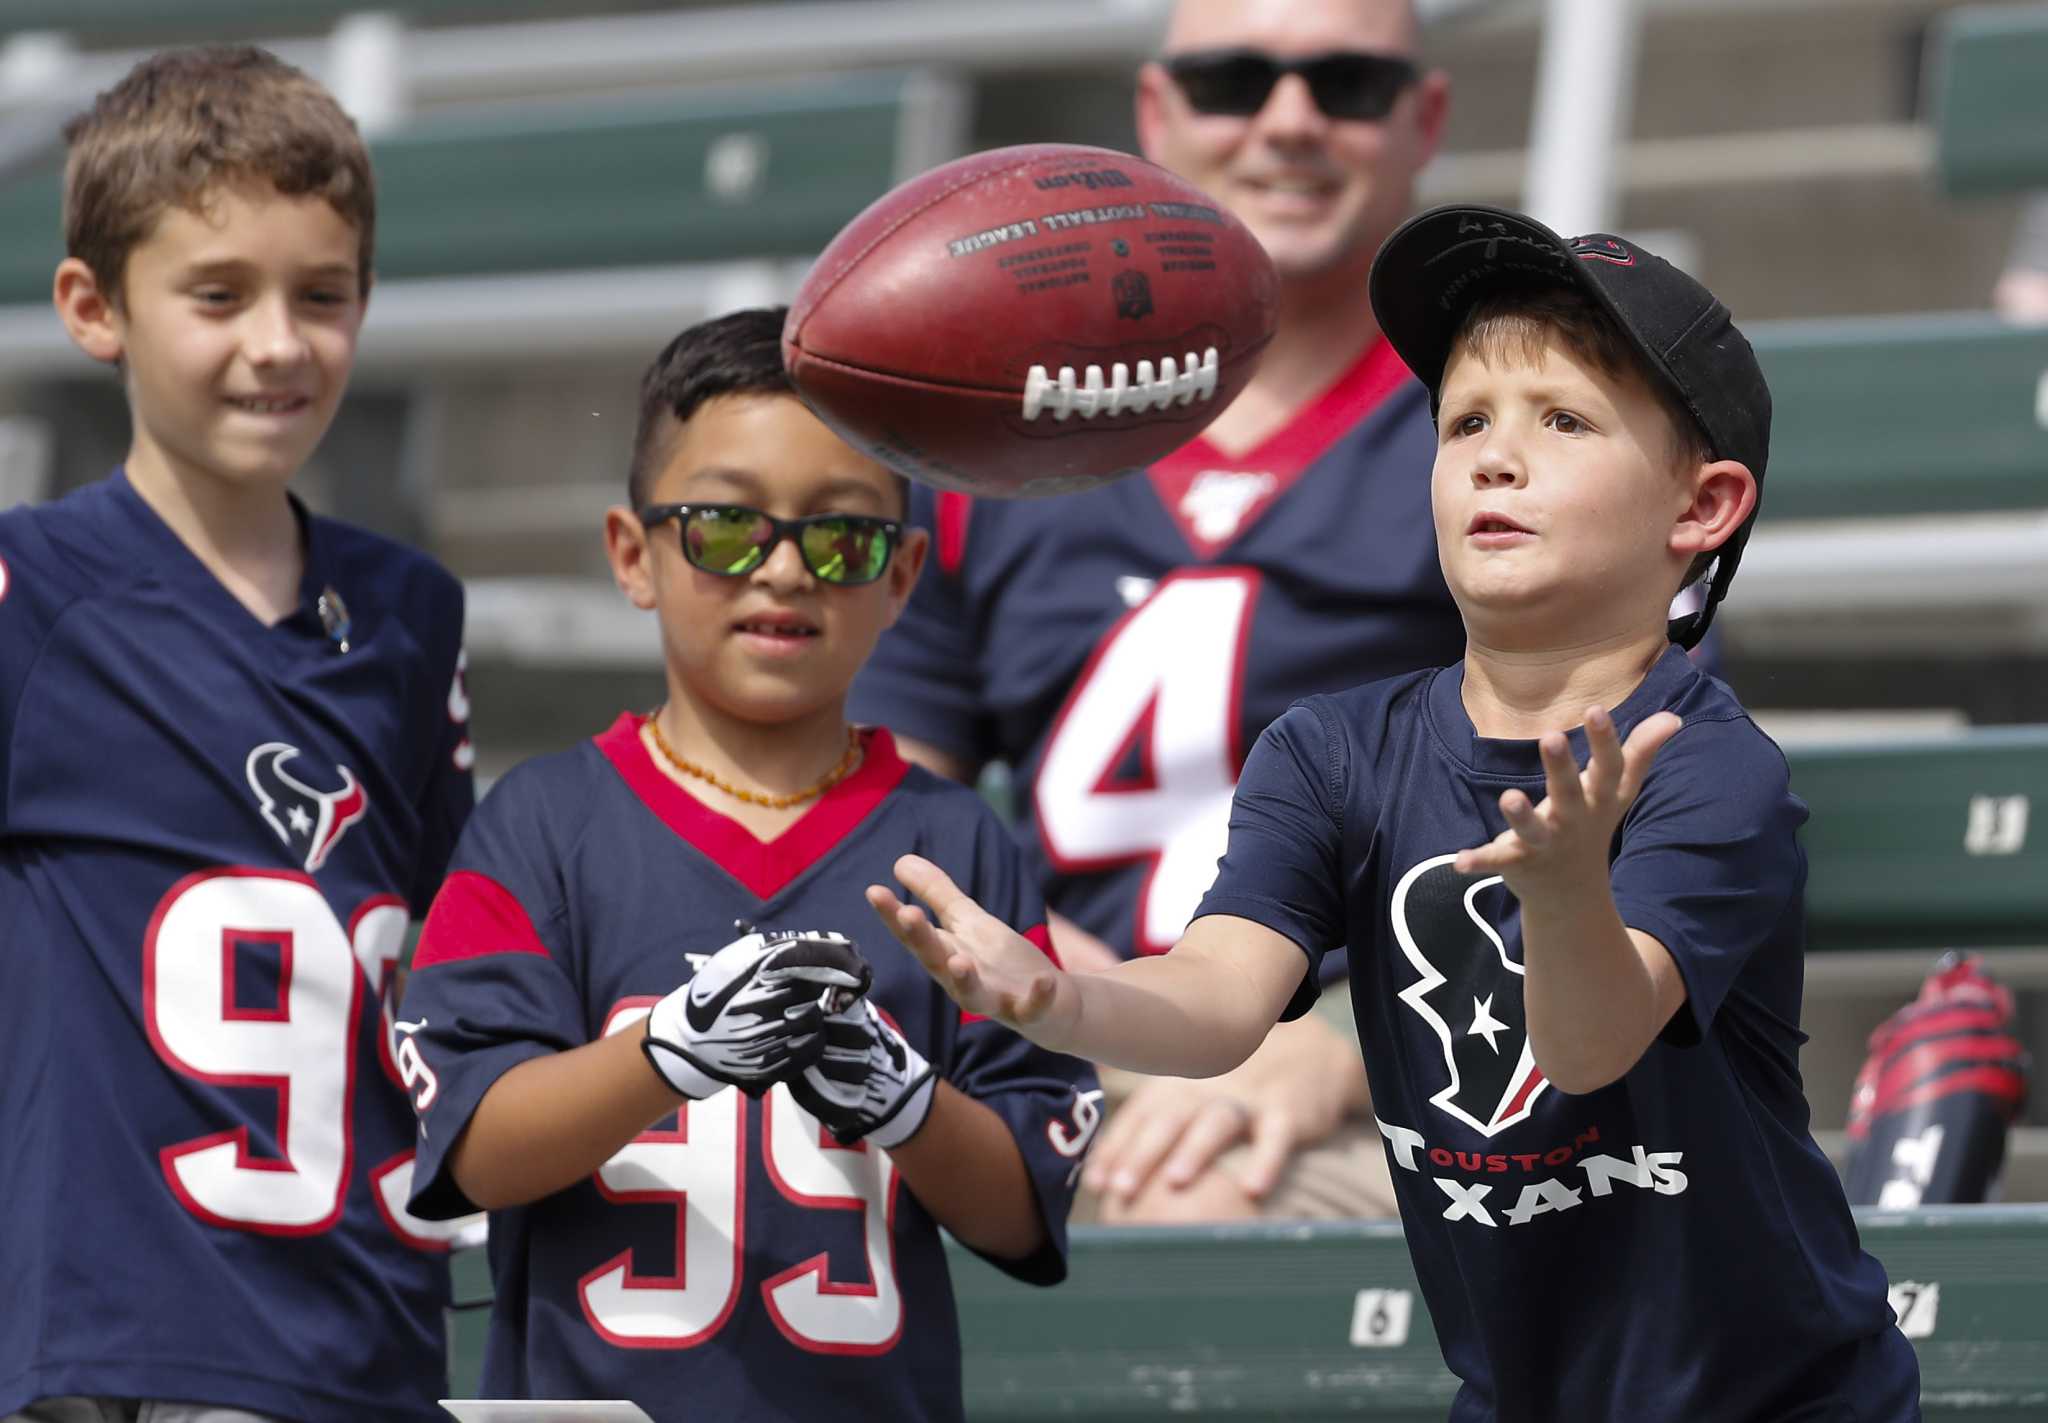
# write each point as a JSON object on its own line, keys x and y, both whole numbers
{"x": 869, "y": 1083}
{"x": 754, "y": 1013}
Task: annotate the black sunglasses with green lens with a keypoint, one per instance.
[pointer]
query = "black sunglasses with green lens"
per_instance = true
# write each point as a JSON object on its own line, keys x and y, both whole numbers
{"x": 1346, "y": 84}
{"x": 731, "y": 539}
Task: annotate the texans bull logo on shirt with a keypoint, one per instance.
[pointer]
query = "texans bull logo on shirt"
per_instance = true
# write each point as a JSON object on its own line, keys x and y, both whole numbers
{"x": 308, "y": 820}
{"x": 1469, "y": 992}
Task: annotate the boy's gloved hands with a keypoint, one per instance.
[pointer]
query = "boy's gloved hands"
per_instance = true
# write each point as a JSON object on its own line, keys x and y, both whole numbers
{"x": 869, "y": 1083}
{"x": 755, "y": 1013}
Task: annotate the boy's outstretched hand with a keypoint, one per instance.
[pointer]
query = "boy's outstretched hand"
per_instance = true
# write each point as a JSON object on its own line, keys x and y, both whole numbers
{"x": 1566, "y": 839}
{"x": 984, "y": 965}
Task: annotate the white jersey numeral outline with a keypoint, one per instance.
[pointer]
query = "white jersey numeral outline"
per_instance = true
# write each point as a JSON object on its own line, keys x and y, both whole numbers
{"x": 303, "y": 1047}
{"x": 700, "y": 1168}
{"x": 1168, "y": 683}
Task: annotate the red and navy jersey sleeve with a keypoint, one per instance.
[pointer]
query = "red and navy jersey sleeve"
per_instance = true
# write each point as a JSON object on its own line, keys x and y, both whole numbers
{"x": 924, "y": 680}
{"x": 491, "y": 985}
{"x": 1710, "y": 864}
{"x": 1284, "y": 868}
{"x": 1051, "y": 1102}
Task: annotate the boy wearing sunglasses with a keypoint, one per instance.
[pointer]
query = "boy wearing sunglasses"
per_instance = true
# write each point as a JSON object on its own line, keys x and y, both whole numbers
{"x": 1121, "y": 649}
{"x": 717, "y": 1157}
{"x": 1567, "y": 871}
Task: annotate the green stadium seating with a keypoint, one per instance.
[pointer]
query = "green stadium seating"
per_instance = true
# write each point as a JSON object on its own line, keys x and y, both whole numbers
{"x": 546, "y": 187}
{"x": 1875, "y": 416}
{"x": 1985, "y": 390}
{"x": 1990, "y": 100}
{"x": 1314, "y": 1322}
{"x": 1927, "y": 843}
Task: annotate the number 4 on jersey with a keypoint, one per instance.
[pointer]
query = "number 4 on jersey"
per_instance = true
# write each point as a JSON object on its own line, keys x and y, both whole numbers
{"x": 1143, "y": 760}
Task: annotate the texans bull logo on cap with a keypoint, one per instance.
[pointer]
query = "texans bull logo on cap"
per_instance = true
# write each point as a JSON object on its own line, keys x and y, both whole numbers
{"x": 308, "y": 820}
{"x": 1600, "y": 248}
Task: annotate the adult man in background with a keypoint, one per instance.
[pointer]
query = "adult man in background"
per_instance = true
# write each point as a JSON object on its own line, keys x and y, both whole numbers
{"x": 1122, "y": 649}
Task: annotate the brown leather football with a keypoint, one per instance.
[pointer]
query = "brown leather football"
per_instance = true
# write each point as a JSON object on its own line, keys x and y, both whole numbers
{"x": 1031, "y": 320}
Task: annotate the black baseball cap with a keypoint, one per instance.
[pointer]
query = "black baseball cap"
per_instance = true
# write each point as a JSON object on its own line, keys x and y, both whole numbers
{"x": 1439, "y": 263}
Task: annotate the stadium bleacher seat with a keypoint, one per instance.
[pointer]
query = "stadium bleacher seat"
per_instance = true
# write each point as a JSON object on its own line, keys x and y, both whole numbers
{"x": 1938, "y": 414}
{"x": 1323, "y": 1321}
{"x": 759, "y": 172}
{"x": 1927, "y": 843}
{"x": 1991, "y": 106}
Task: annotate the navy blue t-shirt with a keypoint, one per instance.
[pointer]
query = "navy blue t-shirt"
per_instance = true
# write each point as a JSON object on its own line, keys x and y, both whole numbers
{"x": 1671, "y": 1246}
{"x": 733, "y": 1261}
{"x": 1122, "y": 649}
{"x": 213, "y": 834}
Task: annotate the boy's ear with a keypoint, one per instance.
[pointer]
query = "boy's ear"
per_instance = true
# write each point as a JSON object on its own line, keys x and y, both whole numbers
{"x": 626, "y": 549}
{"x": 1723, "y": 495}
{"x": 87, "y": 311}
{"x": 904, "y": 568}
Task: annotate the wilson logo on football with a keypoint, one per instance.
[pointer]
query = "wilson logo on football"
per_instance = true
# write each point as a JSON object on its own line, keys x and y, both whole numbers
{"x": 1089, "y": 394}
{"x": 309, "y": 821}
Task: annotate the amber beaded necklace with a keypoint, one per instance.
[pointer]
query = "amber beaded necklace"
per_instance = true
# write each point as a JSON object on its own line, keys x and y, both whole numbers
{"x": 775, "y": 802}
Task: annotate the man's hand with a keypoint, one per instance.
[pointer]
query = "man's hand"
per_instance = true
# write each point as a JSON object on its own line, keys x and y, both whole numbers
{"x": 1564, "y": 842}
{"x": 755, "y": 1012}
{"x": 1291, "y": 1094}
{"x": 984, "y": 965}
{"x": 869, "y": 1083}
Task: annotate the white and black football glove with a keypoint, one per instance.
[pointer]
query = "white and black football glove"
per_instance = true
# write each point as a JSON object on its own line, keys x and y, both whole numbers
{"x": 869, "y": 1083}
{"x": 755, "y": 1012}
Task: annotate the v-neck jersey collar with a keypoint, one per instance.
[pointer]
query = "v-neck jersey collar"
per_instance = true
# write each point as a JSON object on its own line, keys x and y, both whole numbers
{"x": 155, "y": 546}
{"x": 1284, "y": 456}
{"x": 765, "y": 867}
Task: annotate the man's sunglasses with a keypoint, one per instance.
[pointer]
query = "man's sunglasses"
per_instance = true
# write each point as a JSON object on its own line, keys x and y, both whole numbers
{"x": 1346, "y": 84}
{"x": 731, "y": 539}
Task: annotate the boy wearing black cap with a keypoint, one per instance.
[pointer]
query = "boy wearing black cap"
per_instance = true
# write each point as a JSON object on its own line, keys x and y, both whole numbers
{"x": 1567, "y": 870}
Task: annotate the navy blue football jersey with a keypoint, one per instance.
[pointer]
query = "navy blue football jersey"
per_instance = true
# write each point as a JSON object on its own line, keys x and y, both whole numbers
{"x": 213, "y": 834}
{"x": 1123, "y": 648}
{"x": 1673, "y": 1246}
{"x": 733, "y": 1261}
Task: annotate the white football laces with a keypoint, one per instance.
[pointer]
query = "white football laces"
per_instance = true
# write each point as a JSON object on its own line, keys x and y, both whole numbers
{"x": 1124, "y": 392}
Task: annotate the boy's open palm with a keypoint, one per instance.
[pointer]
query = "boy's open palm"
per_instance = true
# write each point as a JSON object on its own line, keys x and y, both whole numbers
{"x": 1567, "y": 837}
{"x": 983, "y": 964}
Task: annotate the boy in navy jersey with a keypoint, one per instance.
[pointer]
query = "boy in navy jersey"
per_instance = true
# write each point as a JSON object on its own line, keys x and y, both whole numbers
{"x": 1576, "y": 957}
{"x": 772, "y": 1251}
{"x": 233, "y": 761}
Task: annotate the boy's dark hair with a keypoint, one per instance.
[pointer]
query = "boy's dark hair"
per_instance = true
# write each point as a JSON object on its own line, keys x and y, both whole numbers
{"x": 184, "y": 122}
{"x": 1513, "y": 322}
{"x": 736, "y": 354}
